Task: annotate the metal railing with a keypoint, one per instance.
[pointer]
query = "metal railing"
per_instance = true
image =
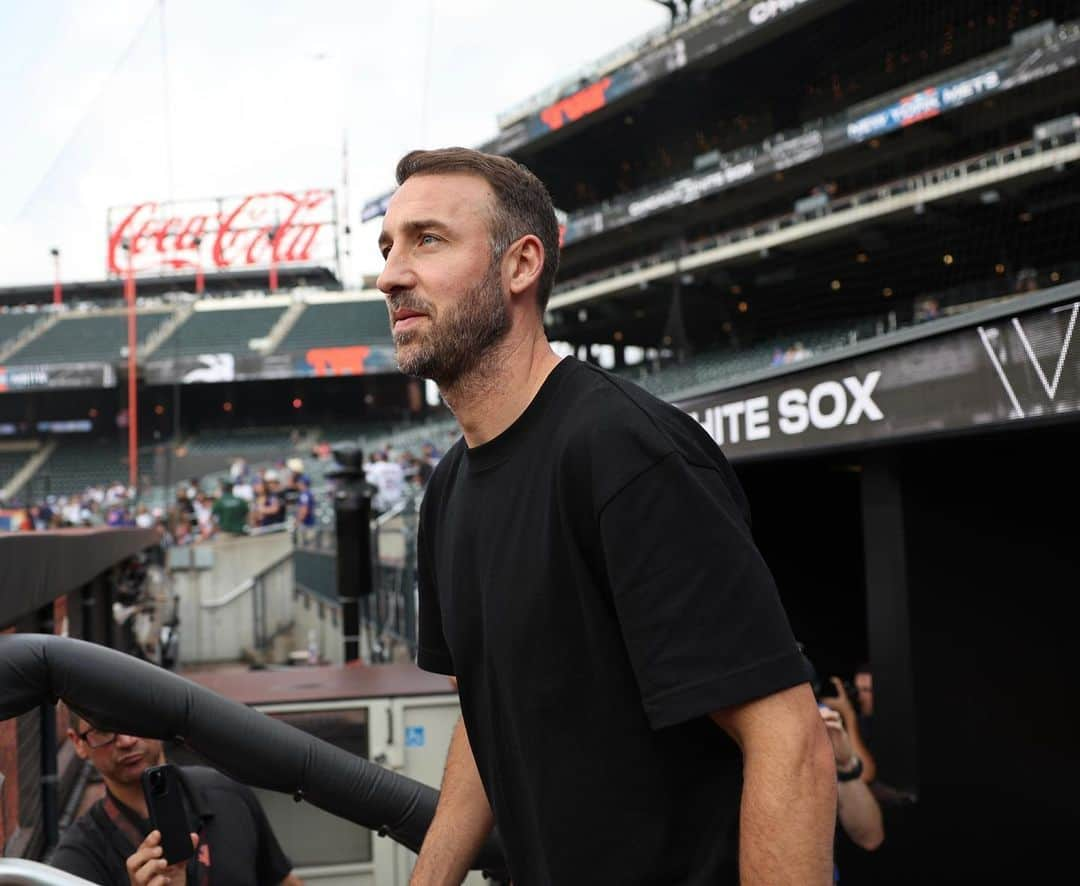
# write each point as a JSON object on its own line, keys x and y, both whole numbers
{"x": 388, "y": 614}
{"x": 22, "y": 872}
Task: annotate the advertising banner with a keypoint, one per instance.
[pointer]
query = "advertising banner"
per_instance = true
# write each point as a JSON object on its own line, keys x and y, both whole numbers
{"x": 227, "y": 233}
{"x": 312, "y": 363}
{"x": 1013, "y": 368}
{"x": 56, "y": 375}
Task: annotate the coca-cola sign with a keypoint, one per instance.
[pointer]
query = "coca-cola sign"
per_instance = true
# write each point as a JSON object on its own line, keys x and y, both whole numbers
{"x": 223, "y": 234}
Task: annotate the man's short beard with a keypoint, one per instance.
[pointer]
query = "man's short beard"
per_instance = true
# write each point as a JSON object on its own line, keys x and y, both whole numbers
{"x": 460, "y": 337}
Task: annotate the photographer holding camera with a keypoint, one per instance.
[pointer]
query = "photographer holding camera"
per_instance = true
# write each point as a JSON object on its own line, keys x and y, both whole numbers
{"x": 112, "y": 844}
{"x": 858, "y": 812}
{"x": 837, "y": 695}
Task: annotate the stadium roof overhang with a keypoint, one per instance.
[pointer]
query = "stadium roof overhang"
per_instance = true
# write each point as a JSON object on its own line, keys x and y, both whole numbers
{"x": 289, "y": 276}
{"x": 715, "y": 39}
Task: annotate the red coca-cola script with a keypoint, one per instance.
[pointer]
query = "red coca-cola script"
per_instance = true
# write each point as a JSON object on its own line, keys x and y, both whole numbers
{"x": 243, "y": 232}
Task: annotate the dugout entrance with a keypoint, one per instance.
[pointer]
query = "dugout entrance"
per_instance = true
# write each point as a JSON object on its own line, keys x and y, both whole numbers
{"x": 937, "y": 540}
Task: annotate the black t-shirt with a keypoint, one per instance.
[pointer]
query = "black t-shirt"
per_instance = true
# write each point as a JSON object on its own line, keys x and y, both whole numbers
{"x": 237, "y": 846}
{"x": 590, "y": 578}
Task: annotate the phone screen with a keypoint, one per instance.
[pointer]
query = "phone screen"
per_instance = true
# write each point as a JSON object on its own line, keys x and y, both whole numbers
{"x": 165, "y": 803}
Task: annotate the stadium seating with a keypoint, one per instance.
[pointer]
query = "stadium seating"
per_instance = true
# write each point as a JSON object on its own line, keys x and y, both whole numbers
{"x": 77, "y": 464}
{"x": 10, "y": 462}
{"x": 211, "y": 332}
{"x": 87, "y": 339}
{"x": 338, "y": 324}
{"x": 726, "y": 365}
{"x": 13, "y": 325}
{"x": 246, "y": 442}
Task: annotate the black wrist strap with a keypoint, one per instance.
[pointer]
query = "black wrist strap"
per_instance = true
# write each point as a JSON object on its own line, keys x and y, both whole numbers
{"x": 853, "y": 774}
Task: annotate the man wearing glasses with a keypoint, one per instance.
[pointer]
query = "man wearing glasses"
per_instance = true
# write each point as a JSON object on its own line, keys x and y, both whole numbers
{"x": 112, "y": 844}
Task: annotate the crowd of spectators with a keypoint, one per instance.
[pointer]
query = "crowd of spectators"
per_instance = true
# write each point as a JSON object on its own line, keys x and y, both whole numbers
{"x": 255, "y": 500}
{"x": 244, "y": 500}
{"x": 110, "y": 505}
{"x": 791, "y": 354}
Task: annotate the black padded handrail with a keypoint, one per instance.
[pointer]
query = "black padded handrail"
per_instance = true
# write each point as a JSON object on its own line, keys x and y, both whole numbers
{"x": 120, "y": 693}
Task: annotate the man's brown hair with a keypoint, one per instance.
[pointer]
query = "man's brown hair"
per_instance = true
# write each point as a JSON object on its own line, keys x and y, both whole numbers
{"x": 522, "y": 203}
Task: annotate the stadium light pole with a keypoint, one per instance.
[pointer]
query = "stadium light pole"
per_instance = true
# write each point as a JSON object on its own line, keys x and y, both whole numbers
{"x": 272, "y": 237}
{"x": 132, "y": 337}
{"x": 200, "y": 280}
{"x": 57, "y": 291}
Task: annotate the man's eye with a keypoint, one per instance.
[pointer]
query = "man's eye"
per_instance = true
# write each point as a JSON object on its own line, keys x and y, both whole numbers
{"x": 425, "y": 238}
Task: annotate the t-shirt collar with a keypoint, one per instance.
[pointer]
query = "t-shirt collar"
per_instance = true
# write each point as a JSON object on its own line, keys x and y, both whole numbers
{"x": 499, "y": 449}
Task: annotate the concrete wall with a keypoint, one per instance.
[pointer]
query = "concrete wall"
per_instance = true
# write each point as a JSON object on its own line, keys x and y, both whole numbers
{"x": 211, "y": 630}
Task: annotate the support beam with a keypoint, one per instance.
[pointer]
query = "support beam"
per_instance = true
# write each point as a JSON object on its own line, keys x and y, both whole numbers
{"x": 888, "y": 624}
{"x": 50, "y": 803}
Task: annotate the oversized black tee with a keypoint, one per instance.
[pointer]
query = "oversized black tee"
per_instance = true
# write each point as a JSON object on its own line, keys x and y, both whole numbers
{"x": 590, "y": 577}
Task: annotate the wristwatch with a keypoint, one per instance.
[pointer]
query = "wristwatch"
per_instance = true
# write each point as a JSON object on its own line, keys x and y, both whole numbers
{"x": 853, "y": 773}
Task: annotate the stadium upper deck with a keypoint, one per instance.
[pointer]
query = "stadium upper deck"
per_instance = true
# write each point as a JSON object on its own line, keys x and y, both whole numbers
{"x": 869, "y": 166}
{"x": 811, "y": 97}
{"x": 729, "y": 165}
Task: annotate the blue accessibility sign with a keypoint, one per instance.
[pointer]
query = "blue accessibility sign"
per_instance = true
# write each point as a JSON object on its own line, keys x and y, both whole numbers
{"x": 414, "y": 736}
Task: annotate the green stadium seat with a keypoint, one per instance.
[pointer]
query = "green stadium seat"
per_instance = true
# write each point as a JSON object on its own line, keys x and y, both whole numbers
{"x": 87, "y": 339}
{"x": 338, "y": 324}
{"x": 215, "y": 332}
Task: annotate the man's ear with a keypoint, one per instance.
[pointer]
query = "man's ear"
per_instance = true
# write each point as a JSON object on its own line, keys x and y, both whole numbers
{"x": 526, "y": 262}
{"x": 80, "y": 749}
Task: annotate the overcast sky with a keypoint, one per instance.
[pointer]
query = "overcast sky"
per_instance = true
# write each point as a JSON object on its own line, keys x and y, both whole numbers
{"x": 259, "y": 95}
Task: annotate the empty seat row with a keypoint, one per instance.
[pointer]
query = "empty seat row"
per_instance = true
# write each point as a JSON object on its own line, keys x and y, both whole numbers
{"x": 87, "y": 339}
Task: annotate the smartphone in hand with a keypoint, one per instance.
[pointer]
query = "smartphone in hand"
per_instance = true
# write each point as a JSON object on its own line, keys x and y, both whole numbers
{"x": 164, "y": 801}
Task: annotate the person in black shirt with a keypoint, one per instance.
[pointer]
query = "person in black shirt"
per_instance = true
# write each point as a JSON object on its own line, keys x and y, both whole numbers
{"x": 635, "y": 709}
{"x": 112, "y": 844}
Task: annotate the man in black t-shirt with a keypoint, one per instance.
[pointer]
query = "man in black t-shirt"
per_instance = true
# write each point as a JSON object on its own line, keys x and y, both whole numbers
{"x": 635, "y": 708}
{"x": 112, "y": 844}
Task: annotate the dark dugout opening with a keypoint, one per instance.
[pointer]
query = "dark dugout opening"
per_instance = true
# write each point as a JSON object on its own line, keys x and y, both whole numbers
{"x": 948, "y": 564}
{"x": 993, "y": 557}
{"x": 807, "y": 523}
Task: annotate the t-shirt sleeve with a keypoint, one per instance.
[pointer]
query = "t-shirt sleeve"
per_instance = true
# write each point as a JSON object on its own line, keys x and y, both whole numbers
{"x": 699, "y": 610}
{"x": 272, "y": 865}
{"x": 432, "y": 653}
{"x": 79, "y": 859}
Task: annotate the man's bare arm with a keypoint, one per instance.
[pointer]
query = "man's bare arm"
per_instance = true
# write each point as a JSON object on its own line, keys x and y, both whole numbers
{"x": 788, "y": 812}
{"x": 462, "y": 820}
{"x": 860, "y": 814}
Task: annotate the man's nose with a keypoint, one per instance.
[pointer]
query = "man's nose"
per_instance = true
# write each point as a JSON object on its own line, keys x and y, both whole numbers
{"x": 125, "y": 741}
{"x": 397, "y": 274}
